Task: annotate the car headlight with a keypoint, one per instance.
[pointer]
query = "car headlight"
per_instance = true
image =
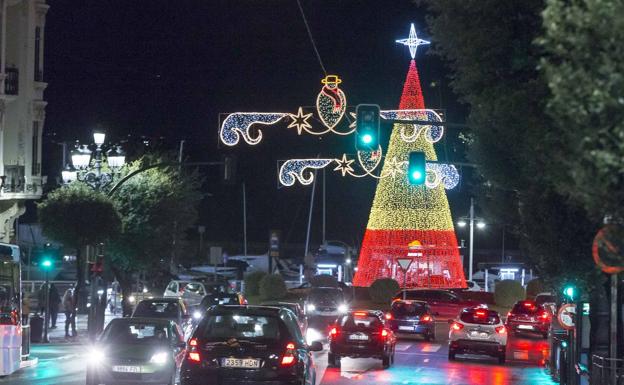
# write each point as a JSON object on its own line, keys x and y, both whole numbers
{"x": 159, "y": 358}
{"x": 131, "y": 299}
{"x": 96, "y": 355}
{"x": 343, "y": 308}
{"x": 311, "y": 307}
{"x": 197, "y": 314}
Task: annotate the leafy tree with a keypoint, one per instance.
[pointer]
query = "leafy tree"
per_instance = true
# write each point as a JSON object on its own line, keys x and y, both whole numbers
{"x": 77, "y": 216}
{"x": 157, "y": 207}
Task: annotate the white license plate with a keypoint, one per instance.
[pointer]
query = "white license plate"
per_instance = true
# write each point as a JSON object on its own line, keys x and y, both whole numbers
{"x": 358, "y": 337}
{"x": 526, "y": 327}
{"x": 479, "y": 335}
{"x": 126, "y": 369}
{"x": 246, "y": 363}
{"x": 410, "y": 328}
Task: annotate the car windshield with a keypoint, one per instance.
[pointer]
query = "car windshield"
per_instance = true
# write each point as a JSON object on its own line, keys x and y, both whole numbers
{"x": 220, "y": 299}
{"x": 157, "y": 309}
{"x": 325, "y": 295}
{"x": 401, "y": 309}
{"x": 358, "y": 322}
{"x": 480, "y": 317}
{"x": 242, "y": 327}
{"x": 135, "y": 333}
{"x": 525, "y": 308}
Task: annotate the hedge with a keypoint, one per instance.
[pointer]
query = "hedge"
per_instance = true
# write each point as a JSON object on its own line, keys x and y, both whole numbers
{"x": 252, "y": 283}
{"x": 383, "y": 289}
{"x": 272, "y": 287}
{"x": 508, "y": 292}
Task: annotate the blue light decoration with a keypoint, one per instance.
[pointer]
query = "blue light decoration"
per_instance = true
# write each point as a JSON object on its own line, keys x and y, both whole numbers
{"x": 238, "y": 124}
{"x": 294, "y": 170}
{"x": 433, "y": 133}
{"x": 442, "y": 174}
{"x": 412, "y": 41}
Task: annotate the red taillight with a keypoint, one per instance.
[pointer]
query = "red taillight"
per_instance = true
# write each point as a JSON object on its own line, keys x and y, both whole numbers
{"x": 480, "y": 313}
{"x": 193, "y": 354}
{"x": 333, "y": 332}
{"x": 384, "y": 333}
{"x": 388, "y": 316}
{"x": 457, "y": 326}
{"x": 193, "y": 342}
{"x": 544, "y": 316}
{"x": 194, "y": 357}
{"x": 289, "y": 357}
{"x": 509, "y": 314}
{"x": 501, "y": 330}
{"x": 426, "y": 318}
{"x": 360, "y": 314}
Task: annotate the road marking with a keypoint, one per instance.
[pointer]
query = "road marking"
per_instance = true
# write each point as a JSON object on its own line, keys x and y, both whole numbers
{"x": 431, "y": 348}
{"x": 320, "y": 367}
{"x": 521, "y": 354}
{"x": 426, "y": 360}
{"x": 402, "y": 347}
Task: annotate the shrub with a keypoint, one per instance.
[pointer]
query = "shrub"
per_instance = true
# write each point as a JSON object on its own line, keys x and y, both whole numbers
{"x": 324, "y": 281}
{"x": 382, "y": 290}
{"x": 508, "y": 292}
{"x": 534, "y": 287}
{"x": 252, "y": 283}
{"x": 272, "y": 287}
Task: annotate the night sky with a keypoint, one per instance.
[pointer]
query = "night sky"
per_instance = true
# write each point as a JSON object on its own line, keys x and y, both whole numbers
{"x": 166, "y": 69}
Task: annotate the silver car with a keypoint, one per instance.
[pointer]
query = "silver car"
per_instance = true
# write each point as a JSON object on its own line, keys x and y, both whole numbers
{"x": 480, "y": 331}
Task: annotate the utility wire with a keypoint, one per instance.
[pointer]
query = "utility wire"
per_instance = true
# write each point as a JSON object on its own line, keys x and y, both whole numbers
{"x": 305, "y": 21}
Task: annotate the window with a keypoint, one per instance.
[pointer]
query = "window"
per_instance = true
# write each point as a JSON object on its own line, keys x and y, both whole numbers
{"x": 195, "y": 288}
{"x": 38, "y": 70}
{"x": 36, "y": 166}
{"x": 245, "y": 327}
{"x": 157, "y": 309}
{"x": 173, "y": 286}
{"x": 136, "y": 333}
{"x": 484, "y": 318}
{"x": 356, "y": 322}
{"x": 405, "y": 309}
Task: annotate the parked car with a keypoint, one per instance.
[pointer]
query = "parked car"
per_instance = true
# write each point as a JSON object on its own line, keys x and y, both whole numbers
{"x": 136, "y": 350}
{"x": 528, "y": 316}
{"x": 412, "y": 317}
{"x": 361, "y": 334}
{"x": 325, "y": 301}
{"x": 443, "y": 303}
{"x": 478, "y": 331}
{"x": 250, "y": 345}
{"x": 173, "y": 309}
{"x": 295, "y": 308}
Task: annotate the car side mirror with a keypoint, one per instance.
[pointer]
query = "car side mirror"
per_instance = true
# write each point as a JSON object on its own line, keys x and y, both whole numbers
{"x": 315, "y": 346}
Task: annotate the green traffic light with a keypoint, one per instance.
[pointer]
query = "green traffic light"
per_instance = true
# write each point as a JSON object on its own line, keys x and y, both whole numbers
{"x": 367, "y": 138}
{"x": 416, "y": 175}
{"x": 568, "y": 291}
{"x": 46, "y": 263}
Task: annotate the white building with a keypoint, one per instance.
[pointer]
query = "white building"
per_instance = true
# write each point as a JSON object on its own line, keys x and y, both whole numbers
{"x": 22, "y": 108}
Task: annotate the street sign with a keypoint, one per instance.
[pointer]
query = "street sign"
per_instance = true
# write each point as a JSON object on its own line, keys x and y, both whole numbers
{"x": 608, "y": 249}
{"x": 274, "y": 243}
{"x": 566, "y": 315}
{"x": 404, "y": 263}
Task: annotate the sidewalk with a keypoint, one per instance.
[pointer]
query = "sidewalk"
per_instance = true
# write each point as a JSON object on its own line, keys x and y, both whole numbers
{"x": 57, "y": 335}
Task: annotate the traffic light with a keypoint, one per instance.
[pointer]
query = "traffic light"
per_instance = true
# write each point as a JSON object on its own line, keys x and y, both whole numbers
{"x": 569, "y": 291}
{"x": 367, "y": 127}
{"x": 417, "y": 168}
{"x": 46, "y": 263}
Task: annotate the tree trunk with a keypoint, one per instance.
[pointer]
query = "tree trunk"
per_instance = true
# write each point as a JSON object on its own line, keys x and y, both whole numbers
{"x": 80, "y": 290}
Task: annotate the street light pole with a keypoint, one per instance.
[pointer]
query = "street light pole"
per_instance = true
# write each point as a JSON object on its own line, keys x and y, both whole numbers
{"x": 471, "y": 250}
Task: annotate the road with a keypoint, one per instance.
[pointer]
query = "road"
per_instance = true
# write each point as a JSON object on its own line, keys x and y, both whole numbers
{"x": 417, "y": 362}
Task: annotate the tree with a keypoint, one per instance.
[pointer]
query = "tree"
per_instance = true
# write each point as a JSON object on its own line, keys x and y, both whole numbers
{"x": 157, "y": 207}
{"x": 77, "y": 216}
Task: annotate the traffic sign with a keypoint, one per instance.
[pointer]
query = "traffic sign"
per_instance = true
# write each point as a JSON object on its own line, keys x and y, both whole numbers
{"x": 404, "y": 263}
{"x": 608, "y": 249}
{"x": 566, "y": 315}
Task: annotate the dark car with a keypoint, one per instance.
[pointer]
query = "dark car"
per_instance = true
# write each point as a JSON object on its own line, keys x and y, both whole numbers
{"x": 412, "y": 317}
{"x": 248, "y": 345}
{"x": 219, "y": 298}
{"x": 136, "y": 350}
{"x": 295, "y": 308}
{"x": 361, "y": 334}
{"x": 172, "y": 309}
{"x": 443, "y": 303}
{"x": 528, "y": 316}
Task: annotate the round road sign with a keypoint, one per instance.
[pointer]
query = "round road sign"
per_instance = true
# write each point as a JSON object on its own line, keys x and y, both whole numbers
{"x": 566, "y": 315}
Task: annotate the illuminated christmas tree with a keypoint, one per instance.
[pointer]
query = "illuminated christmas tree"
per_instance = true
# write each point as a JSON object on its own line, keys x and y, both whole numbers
{"x": 405, "y": 214}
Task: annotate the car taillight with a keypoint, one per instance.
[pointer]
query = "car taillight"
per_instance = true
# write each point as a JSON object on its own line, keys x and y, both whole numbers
{"x": 333, "y": 332}
{"x": 384, "y": 333}
{"x": 360, "y": 314}
{"x": 388, "y": 316}
{"x": 544, "y": 316}
{"x": 481, "y": 313}
{"x": 193, "y": 354}
{"x": 426, "y": 318}
{"x": 501, "y": 330}
{"x": 457, "y": 326}
{"x": 289, "y": 357}
{"x": 509, "y": 314}
{"x": 193, "y": 342}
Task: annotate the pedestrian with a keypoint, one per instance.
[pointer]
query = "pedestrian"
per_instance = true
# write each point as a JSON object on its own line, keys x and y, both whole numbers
{"x": 41, "y": 299}
{"x": 55, "y": 301}
{"x": 69, "y": 308}
{"x": 25, "y": 308}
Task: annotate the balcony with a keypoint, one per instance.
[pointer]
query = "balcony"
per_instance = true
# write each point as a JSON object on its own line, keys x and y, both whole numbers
{"x": 11, "y": 82}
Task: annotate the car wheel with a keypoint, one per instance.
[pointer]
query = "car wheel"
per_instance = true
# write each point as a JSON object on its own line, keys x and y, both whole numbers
{"x": 333, "y": 360}
{"x": 385, "y": 362}
{"x": 501, "y": 358}
{"x": 451, "y": 355}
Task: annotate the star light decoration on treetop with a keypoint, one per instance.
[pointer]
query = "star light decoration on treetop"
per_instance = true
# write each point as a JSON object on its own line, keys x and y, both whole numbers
{"x": 412, "y": 41}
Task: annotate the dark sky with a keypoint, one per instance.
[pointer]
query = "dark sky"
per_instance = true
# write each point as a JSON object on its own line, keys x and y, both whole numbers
{"x": 168, "y": 68}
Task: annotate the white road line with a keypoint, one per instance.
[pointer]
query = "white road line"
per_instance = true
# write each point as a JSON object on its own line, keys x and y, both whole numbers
{"x": 320, "y": 360}
{"x": 402, "y": 347}
{"x": 431, "y": 348}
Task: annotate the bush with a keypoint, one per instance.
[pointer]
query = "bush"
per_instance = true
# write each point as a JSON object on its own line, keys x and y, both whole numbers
{"x": 508, "y": 292}
{"x": 272, "y": 287}
{"x": 382, "y": 290}
{"x": 252, "y": 283}
{"x": 324, "y": 281}
{"x": 534, "y": 287}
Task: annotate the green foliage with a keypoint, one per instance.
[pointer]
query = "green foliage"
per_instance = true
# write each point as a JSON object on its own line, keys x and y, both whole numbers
{"x": 382, "y": 290}
{"x": 252, "y": 283}
{"x": 507, "y": 292}
{"x": 324, "y": 280}
{"x": 534, "y": 287}
{"x": 77, "y": 216}
{"x": 272, "y": 286}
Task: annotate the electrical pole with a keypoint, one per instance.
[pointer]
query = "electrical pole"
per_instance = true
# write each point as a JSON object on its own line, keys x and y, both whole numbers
{"x": 471, "y": 250}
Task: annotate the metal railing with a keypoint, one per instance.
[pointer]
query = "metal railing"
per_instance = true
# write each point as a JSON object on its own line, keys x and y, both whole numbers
{"x": 607, "y": 371}
{"x": 557, "y": 363}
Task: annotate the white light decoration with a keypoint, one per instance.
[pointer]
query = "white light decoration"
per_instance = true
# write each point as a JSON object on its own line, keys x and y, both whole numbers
{"x": 331, "y": 102}
{"x": 98, "y": 138}
{"x": 238, "y": 125}
{"x": 293, "y": 170}
{"x": 344, "y": 165}
{"x": 394, "y": 167}
{"x": 370, "y": 160}
{"x": 412, "y": 41}
{"x": 432, "y": 133}
{"x": 300, "y": 121}
{"x": 442, "y": 173}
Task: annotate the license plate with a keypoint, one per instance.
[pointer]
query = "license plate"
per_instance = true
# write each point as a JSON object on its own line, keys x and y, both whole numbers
{"x": 410, "y": 328}
{"x": 246, "y": 363}
{"x": 479, "y": 335}
{"x": 526, "y": 327}
{"x": 358, "y": 337}
{"x": 126, "y": 369}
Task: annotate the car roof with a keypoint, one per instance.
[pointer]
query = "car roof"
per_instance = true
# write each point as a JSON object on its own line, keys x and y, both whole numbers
{"x": 246, "y": 309}
{"x": 162, "y": 299}
{"x": 410, "y": 301}
{"x": 158, "y": 321}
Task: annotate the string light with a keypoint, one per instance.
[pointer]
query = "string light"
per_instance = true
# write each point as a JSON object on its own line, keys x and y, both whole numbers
{"x": 293, "y": 170}
{"x": 412, "y": 41}
{"x": 239, "y": 124}
{"x": 300, "y": 121}
{"x": 331, "y": 102}
{"x": 344, "y": 165}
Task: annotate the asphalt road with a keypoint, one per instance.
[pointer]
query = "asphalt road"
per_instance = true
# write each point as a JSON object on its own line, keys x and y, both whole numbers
{"x": 417, "y": 362}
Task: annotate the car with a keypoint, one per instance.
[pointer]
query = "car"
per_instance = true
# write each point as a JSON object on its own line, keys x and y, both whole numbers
{"x": 248, "y": 345}
{"x": 217, "y": 299}
{"x": 443, "y": 303}
{"x": 192, "y": 292}
{"x": 479, "y": 331}
{"x": 528, "y": 316}
{"x": 361, "y": 334}
{"x": 473, "y": 286}
{"x": 173, "y": 309}
{"x": 136, "y": 350}
{"x": 411, "y": 317}
{"x": 549, "y": 300}
{"x": 326, "y": 302}
{"x": 295, "y": 308}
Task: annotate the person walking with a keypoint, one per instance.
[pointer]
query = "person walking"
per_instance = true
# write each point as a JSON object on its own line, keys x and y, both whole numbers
{"x": 69, "y": 308}
{"x": 55, "y": 301}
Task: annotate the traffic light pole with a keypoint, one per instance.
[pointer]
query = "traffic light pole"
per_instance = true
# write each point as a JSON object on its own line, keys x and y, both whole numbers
{"x": 46, "y": 318}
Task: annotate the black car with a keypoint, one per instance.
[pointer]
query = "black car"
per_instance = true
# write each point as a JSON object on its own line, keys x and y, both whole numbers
{"x": 412, "y": 317}
{"x": 360, "y": 334}
{"x": 220, "y": 298}
{"x": 172, "y": 309}
{"x": 248, "y": 345}
{"x": 136, "y": 350}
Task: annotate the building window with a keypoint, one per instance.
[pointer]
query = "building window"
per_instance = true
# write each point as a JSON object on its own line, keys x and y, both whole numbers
{"x": 38, "y": 71}
{"x": 36, "y": 166}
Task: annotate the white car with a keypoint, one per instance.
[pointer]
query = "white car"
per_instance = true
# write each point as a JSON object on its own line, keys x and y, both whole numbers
{"x": 325, "y": 302}
{"x": 473, "y": 286}
{"x": 190, "y": 292}
{"x": 478, "y": 331}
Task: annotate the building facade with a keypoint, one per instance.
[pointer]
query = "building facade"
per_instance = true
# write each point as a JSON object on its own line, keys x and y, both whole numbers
{"x": 22, "y": 107}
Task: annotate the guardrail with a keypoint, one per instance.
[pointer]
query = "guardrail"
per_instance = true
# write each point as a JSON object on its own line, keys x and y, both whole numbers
{"x": 607, "y": 371}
